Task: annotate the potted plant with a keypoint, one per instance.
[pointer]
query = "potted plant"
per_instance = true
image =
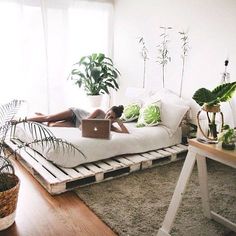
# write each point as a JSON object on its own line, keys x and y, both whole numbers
{"x": 9, "y": 188}
{"x": 96, "y": 73}
{"x": 227, "y": 137}
{"x": 210, "y": 102}
{"x": 9, "y": 182}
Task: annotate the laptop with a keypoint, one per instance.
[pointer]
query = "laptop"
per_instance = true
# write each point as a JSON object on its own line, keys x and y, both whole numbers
{"x": 96, "y": 128}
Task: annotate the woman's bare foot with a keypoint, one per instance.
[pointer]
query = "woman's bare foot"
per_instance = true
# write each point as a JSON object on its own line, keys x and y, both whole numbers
{"x": 39, "y": 114}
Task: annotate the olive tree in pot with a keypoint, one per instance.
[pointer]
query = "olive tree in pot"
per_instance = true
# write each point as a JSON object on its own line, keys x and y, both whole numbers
{"x": 96, "y": 73}
{"x": 210, "y": 102}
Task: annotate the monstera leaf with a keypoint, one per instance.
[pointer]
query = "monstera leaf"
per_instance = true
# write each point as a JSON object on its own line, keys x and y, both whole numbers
{"x": 221, "y": 93}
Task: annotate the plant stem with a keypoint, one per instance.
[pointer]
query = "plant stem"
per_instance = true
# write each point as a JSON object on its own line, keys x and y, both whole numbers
{"x": 163, "y": 76}
{"x": 208, "y": 117}
{"x": 144, "y": 72}
{"x": 182, "y": 77}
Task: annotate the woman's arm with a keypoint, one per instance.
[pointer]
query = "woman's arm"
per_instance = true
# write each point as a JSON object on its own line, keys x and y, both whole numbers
{"x": 96, "y": 113}
{"x": 122, "y": 128}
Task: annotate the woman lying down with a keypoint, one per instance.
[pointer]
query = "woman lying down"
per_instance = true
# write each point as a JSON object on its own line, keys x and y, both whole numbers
{"x": 73, "y": 118}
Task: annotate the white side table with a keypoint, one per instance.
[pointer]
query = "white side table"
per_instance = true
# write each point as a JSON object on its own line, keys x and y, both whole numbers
{"x": 198, "y": 151}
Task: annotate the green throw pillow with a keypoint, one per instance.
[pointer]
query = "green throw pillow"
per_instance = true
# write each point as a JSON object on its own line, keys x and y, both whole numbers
{"x": 131, "y": 112}
{"x": 149, "y": 115}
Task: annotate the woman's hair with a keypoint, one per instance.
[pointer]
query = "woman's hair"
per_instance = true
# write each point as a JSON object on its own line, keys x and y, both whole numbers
{"x": 118, "y": 110}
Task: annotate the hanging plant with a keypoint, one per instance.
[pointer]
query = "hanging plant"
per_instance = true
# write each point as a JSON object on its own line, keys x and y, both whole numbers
{"x": 163, "y": 52}
{"x": 185, "y": 48}
{"x": 144, "y": 54}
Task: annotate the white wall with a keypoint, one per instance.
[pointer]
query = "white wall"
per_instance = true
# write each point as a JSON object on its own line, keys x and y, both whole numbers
{"x": 212, "y": 38}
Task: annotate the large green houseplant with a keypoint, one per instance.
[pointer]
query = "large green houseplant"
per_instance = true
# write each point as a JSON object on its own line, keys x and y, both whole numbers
{"x": 210, "y": 102}
{"x": 96, "y": 73}
{"x": 9, "y": 182}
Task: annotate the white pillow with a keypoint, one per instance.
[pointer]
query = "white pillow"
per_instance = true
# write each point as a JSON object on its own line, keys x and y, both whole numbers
{"x": 137, "y": 95}
{"x": 172, "y": 115}
{"x": 171, "y": 97}
{"x": 167, "y": 96}
{"x": 23, "y": 133}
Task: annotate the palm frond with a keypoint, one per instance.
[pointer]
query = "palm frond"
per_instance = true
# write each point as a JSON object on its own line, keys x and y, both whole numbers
{"x": 5, "y": 165}
{"x": 42, "y": 135}
{"x": 56, "y": 143}
{"x": 8, "y": 110}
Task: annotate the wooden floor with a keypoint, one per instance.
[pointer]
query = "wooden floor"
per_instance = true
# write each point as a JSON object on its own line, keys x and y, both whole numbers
{"x": 39, "y": 213}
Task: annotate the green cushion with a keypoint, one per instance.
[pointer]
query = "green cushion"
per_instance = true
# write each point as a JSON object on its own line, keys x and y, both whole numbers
{"x": 131, "y": 112}
{"x": 149, "y": 115}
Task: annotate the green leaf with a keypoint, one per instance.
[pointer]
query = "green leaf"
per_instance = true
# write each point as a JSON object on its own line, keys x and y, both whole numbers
{"x": 204, "y": 95}
{"x": 224, "y": 92}
{"x": 101, "y": 57}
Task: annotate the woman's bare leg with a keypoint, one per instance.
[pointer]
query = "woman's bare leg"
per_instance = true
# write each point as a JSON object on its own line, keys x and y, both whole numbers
{"x": 61, "y": 124}
{"x": 62, "y": 116}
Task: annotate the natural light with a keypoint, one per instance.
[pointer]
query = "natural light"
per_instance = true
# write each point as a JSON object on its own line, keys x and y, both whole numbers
{"x": 41, "y": 40}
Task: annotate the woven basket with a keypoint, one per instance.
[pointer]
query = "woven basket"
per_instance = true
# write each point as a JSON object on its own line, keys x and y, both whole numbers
{"x": 8, "y": 202}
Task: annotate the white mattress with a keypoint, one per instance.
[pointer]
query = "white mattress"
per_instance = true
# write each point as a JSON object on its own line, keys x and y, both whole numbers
{"x": 139, "y": 140}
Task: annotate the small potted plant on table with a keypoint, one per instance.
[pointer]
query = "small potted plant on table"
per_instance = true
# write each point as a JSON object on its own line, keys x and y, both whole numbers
{"x": 228, "y": 138}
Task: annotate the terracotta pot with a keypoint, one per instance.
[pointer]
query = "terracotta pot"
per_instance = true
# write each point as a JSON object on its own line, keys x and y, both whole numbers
{"x": 8, "y": 203}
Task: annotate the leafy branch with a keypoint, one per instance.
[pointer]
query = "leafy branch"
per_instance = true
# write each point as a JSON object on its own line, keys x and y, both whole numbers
{"x": 144, "y": 54}
{"x": 163, "y": 51}
{"x": 185, "y": 48}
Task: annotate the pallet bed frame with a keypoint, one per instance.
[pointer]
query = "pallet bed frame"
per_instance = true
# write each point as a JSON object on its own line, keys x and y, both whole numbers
{"x": 57, "y": 179}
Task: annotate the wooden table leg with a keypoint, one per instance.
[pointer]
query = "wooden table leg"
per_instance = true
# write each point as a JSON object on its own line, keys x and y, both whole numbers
{"x": 178, "y": 194}
{"x": 203, "y": 181}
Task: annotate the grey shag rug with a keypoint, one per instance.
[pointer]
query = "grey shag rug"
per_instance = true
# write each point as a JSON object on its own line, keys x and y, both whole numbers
{"x": 136, "y": 204}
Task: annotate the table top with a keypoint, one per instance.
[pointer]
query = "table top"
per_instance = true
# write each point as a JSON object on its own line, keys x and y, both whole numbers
{"x": 215, "y": 149}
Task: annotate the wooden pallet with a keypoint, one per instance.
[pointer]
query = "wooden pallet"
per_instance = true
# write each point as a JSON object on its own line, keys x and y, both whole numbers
{"x": 57, "y": 179}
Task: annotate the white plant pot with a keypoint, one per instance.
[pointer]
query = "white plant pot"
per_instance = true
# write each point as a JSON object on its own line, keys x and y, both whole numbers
{"x": 95, "y": 100}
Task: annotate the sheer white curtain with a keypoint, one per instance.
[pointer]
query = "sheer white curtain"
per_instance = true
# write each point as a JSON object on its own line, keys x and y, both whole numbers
{"x": 40, "y": 40}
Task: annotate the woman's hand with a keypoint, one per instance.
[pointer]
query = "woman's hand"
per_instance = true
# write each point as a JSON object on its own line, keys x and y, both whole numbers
{"x": 122, "y": 129}
{"x": 118, "y": 121}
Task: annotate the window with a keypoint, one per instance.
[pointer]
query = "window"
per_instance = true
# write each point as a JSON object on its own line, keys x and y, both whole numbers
{"x": 40, "y": 40}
